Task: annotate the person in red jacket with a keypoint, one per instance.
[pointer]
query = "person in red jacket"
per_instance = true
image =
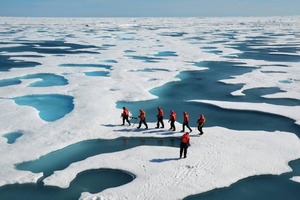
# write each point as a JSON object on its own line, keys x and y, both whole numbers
{"x": 160, "y": 118}
{"x": 142, "y": 119}
{"x": 201, "y": 122}
{"x": 186, "y": 119}
{"x": 172, "y": 120}
{"x": 125, "y": 115}
{"x": 184, "y": 144}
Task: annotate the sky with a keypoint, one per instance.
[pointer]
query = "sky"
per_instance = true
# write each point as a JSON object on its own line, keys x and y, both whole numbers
{"x": 148, "y": 8}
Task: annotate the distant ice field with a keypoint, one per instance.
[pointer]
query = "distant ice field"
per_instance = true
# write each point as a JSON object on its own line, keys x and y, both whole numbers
{"x": 64, "y": 81}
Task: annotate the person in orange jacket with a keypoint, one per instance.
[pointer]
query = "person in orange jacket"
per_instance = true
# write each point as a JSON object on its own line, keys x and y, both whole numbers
{"x": 125, "y": 116}
{"x": 142, "y": 119}
{"x": 172, "y": 120}
{"x": 184, "y": 144}
{"x": 201, "y": 122}
{"x": 186, "y": 119}
{"x": 160, "y": 118}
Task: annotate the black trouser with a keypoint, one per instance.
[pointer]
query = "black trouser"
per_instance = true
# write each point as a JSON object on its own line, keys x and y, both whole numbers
{"x": 144, "y": 122}
{"x": 183, "y": 148}
{"x": 127, "y": 120}
{"x": 173, "y": 125}
{"x": 160, "y": 120}
{"x": 200, "y": 128}
{"x": 187, "y": 125}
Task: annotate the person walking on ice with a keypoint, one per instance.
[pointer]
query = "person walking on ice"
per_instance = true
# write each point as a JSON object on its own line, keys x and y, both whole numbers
{"x": 201, "y": 122}
{"x": 186, "y": 119}
{"x": 142, "y": 119}
{"x": 172, "y": 120}
{"x": 184, "y": 144}
{"x": 160, "y": 117}
{"x": 125, "y": 116}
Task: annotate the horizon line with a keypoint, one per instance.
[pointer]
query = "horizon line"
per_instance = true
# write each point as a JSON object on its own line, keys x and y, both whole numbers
{"x": 234, "y": 16}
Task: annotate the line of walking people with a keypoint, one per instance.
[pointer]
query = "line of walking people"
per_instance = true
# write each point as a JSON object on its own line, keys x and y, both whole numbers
{"x": 160, "y": 123}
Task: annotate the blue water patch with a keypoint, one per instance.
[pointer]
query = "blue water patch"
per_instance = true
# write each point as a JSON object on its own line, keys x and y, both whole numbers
{"x": 86, "y": 65}
{"x": 265, "y": 53}
{"x": 113, "y": 29}
{"x": 261, "y": 55}
{"x": 8, "y": 82}
{"x": 129, "y": 51}
{"x": 97, "y": 73}
{"x": 258, "y": 187}
{"x": 11, "y": 31}
{"x": 153, "y": 79}
{"x": 217, "y": 52}
{"x": 127, "y": 38}
{"x": 7, "y": 63}
{"x": 146, "y": 59}
{"x": 212, "y": 50}
{"x": 229, "y": 35}
{"x": 28, "y": 56}
{"x": 104, "y": 36}
{"x": 150, "y": 70}
{"x": 60, "y": 159}
{"x": 131, "y": 33}
{"x": 108, "y": 45}
{"x": 276, "y": 65}
{"x": 173, "y": 34}
{"x": 47, "y": 80}
{"x": 219, "y": 42}
{"x": 12, "y": 137}
{"x": 209, "y": 48}
{"x": 51, "y": 107}
{"x": 109, "y": 61}
{"x": 197, "y": 84}
{"x": 225, "y": 70}
{"x": 92, "y": 181}
{"x": 256, "y": 95}
{"x": 165, "y": 54}
{"x": 287, "y": 81}
{"x": 259, "y": 39}
{"x": 272, "y": 72}
{"x": 114, "y": 89}
{"x": 49, "y": 47}
{"x": 70, "y": 36}
{"x": 277, "y": 35}
{"x": 197, "y": 38}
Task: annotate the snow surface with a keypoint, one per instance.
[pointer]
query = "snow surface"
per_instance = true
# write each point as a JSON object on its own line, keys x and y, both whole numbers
{"x": 296, "y": 179}
{"x": 219, "y": 158}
